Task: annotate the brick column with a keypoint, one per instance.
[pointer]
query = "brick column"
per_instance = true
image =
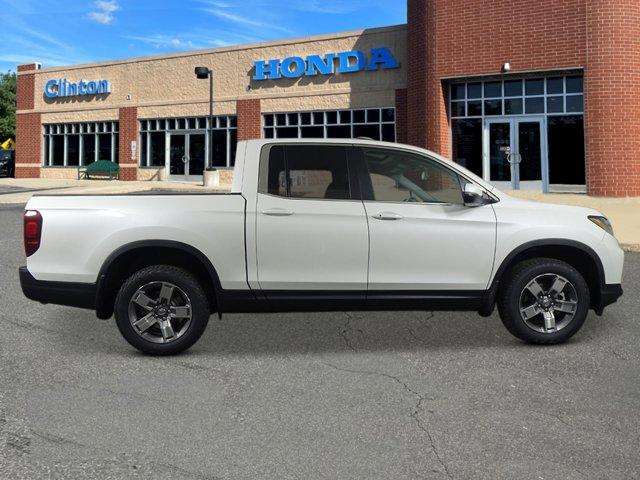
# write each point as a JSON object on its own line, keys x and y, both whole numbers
{"x": 128, "y": 125}
{"x": 401, "y": 115}
{"x": 417, "y": 88}
{"x": 612, "y": 98}
{"x": 427, "y": 120}
{"x": 28, "y": 125}
{"x": 249, "y": 119}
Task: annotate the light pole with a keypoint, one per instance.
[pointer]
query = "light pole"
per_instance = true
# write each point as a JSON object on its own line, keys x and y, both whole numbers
{"x": 203, "y": 73}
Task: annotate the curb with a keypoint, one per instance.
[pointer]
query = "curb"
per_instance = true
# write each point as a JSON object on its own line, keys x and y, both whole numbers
{"x": 630, "y": 247}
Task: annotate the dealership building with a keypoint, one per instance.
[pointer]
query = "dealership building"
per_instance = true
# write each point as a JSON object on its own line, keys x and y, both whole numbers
{"x": 528, "y": 95}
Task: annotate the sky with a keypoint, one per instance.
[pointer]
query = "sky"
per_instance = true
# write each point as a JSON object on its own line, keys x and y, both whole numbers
{"x": 58, "y": 33}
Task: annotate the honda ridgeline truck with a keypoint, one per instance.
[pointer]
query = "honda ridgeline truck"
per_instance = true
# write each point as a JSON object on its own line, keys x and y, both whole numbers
{"x": 329, "y": 225}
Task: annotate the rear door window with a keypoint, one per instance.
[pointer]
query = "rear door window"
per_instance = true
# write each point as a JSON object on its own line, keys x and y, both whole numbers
{"x": 306, "y": 171}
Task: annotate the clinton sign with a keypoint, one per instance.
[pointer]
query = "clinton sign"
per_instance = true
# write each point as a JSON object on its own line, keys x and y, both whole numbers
{"x": 328, "y": 64}
{"x": 64, "y": 88}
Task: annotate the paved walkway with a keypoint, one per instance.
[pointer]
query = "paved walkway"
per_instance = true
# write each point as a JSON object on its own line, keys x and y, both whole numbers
{"x": 624, "y": 213}
{"x": 14, "y": 190}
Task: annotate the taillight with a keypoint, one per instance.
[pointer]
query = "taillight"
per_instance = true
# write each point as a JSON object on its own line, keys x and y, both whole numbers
{"x": 32, "y": 231}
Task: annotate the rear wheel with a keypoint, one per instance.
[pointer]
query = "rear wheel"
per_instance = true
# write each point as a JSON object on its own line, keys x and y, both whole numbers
{"x": 162, "y": 310}
{"x": 543, "y": 301}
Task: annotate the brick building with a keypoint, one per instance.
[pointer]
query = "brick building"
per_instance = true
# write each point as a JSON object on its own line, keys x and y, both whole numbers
{"x": 532, "y": 95}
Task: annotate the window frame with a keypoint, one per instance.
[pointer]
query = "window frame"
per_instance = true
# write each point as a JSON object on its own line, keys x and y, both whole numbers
{"x": 352, "y": 171}
{"x": 366, "y": 186}
{"x": 323, "y": 119}
{"x": 180, "y": 125}
{"x": 462, "y": 102}
{"x": 83, "y": 130}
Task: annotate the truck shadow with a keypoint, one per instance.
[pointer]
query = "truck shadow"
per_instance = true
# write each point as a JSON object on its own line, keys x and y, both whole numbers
{"x": 314, "y": 333}
{"x": 286, "y": 334}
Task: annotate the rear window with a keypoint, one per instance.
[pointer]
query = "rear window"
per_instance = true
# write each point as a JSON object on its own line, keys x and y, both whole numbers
{"x": 306, "y": 171}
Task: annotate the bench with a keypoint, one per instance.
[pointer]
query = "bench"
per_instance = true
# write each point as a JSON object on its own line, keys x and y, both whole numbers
{"x": 101, "y": 169}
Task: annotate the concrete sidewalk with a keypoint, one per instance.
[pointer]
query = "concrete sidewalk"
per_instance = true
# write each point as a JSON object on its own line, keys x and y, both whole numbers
{"x": 16, "y": 191}
{"x": 624, "y": 213}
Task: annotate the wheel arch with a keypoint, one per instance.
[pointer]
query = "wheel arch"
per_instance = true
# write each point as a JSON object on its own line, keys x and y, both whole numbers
{"x": 137, "y": 255}
{"x": 580, "y": 256}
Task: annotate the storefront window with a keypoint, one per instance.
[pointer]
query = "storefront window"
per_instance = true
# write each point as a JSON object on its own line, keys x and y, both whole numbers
{"x": 374, "y": 123}
{"x": 104, "y": 147}
{"x": 553, "y": 95}
{"x": 156, "y": 149}
{"x": 56, "y": 150}
{"x": 566, "y": 150}
{"x": 89, "y": 150}
{"x": 154, "y": 133}
{"x": 474, "y": 106}
{"x": 73, "y": 150}
{"x": 467, "y": 149}
{"x": 74, "y": 144}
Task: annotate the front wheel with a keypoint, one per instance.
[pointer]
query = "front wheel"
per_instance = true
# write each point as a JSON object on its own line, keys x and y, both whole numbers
{"x": 543, "y": 301}
{"x": 162, "y": 310}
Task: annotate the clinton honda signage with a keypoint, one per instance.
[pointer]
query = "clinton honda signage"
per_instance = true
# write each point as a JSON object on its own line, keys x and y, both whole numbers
{"x": 328, "y": 64}
{"x": 64, "y": 88}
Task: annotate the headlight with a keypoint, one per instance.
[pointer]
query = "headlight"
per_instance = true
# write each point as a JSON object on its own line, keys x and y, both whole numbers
{"x": 603, "y": 223}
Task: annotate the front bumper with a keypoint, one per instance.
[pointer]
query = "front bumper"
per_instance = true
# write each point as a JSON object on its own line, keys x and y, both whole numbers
{"x": 81, "y": 295}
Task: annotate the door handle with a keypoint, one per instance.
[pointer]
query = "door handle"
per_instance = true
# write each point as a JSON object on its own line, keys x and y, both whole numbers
{"x": 277, "y": 212}
{"x": 388, "y": 216}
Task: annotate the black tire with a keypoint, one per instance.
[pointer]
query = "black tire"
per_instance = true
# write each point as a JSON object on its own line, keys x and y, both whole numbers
{"x": 187, "y": 285}
{"x": 512, "y": 287}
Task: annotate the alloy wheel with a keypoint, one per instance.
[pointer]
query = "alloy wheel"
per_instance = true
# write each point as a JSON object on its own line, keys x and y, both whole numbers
{"x": 548, "y": 303}
{"x": 160, "y": 312}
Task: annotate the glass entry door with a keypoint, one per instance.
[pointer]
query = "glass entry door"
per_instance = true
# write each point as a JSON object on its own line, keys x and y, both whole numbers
{"x": 514, "y": 153}
{"x": 186, "y": 158}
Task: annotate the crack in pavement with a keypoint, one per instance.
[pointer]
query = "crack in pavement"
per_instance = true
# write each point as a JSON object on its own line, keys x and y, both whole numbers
{"x": 414, "y": 414}
{"x": 345, "y": 329}
{"x": 56, "y": 439}
{"x": 617, "y": 354}
{"x": 412, "y": 334}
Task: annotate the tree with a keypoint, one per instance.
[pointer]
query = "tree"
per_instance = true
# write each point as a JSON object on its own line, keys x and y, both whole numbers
{"x": 7, "y": 106}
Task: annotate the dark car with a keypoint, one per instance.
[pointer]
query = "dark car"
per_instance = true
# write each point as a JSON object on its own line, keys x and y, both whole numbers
{"x": 7, "y": 163}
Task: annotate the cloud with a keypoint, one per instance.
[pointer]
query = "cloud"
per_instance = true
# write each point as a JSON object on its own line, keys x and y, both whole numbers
{"x": 327, "y": 6}
{"x": 104, "y": 10}
{"x": 25, "y": 44}
{"x": 158, "y": 40}
{"x": 245, "y": 21}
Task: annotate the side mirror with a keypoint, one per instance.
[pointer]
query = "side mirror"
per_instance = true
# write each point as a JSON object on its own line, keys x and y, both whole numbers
{"x": 474, "y": 195}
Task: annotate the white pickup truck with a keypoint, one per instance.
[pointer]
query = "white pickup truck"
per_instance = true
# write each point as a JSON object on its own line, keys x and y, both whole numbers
{"x": 329, "y": 225}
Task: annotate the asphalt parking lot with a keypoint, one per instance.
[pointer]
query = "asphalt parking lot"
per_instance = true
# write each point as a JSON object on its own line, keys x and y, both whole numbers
{"x": 301, "y": 396}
